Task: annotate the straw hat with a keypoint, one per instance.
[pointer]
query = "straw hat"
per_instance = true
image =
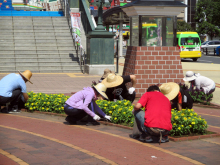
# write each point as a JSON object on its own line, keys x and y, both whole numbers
{"x": 101, "y": 88}
{"x": 190, "y": 75}
{"x": 106, "y": 72}
{"x": 27, "y": 75}
{"x": 170, "y": 90}
{"x": 112, "y": 80}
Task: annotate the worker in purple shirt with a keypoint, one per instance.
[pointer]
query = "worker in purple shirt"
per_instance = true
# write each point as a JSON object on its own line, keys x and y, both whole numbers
{"x": 83, "y": 103}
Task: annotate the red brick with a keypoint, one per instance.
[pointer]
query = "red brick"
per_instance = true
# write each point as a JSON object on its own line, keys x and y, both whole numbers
{"x": 144, "y": 48}
{"x": 156, "y": 81}
{"x": 138, "y": 85}
{"x": 166, "y": 76}
{"x": 140, "y": 71}
{"x": 158, "y": 58}
{"x": 138, "y": 48}
{"x": 162, "y": 71}
{"x": 140, "y": 62}
{"x": 151, "y": 58}
{"x": 138, "y": 76}
{"x": 155, "y": 71}
{"x": 159, "y": 67}
{"x": 176, "y": 62}
{"x": 152, "y": 76}
{"x": 177, "y": 80}
{"x": 161, "y": 62}
{"x": 150, "y": 48}
{"x": 159, "y": 76}
{"x": 172, "y": 48}
{"x": 147, "y": 71}
{"x": 144, "y": 57}
{"x": 180, "y": 76}
{"x": 168, "y": 53}
{"x": 169, "y": 71}
{"x": 172, "y": 57}
{"x": 147, "y": 62}
{"x": 145, "y": 85}
{"x": 152, "y": 66}
{"x": 168, "y": 62}
{"x": 158, "y": 48}
{"x": 179, "y": 67}
{"x": 145, "y": 66}
{"x": 165, "y": 66}
{"x": 140, "y": 53}
{"x": 155, "y": 62}
{"x": 165, "y": 58}
{"x": 162, "y": 53}
{"x": 176, "y": 71}
{"x": 145, "y": 76}
{"x": 176, "y": 53}
{"x": 143, "y": 91}
{"x": 137, "y": 67}
{"x": 172, "y": 66}
{"x": 141, "y": 81}
{"x": 137, "y": 58}
{"x": 155, "y": 53}
{"x": 173, "y": 76}
{"x": 163, "y": 80}
{"x": 165, "y": 48}
{"x": 147, "y": 53}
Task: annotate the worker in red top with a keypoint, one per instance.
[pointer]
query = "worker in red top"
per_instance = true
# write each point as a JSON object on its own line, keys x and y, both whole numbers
{"x": 155, "y": 121}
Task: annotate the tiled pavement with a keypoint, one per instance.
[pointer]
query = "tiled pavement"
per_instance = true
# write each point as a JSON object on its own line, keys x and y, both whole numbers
{"x": 45, "y": 139}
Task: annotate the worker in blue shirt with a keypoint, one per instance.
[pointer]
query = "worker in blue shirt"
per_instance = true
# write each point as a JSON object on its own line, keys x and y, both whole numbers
{"x": 13, "y": 92}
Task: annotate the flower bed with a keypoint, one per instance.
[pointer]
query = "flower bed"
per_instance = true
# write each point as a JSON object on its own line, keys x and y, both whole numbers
{"x": 184, "y": 122}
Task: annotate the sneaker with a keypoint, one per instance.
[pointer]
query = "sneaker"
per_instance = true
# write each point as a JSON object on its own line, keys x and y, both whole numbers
{"x": 4, "y": 110}
{"x": 71, "y": 122}
{"x": 148, "y": 139}
{"x": 92, "y": 123}
{"x": 165, "y": 139}
{"x": 142, "y": 137}
{"x": 134, "y": 136}
{"x": 13, "y": 109}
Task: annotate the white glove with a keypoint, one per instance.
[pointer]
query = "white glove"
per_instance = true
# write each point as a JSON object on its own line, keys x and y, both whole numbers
{"x": 96, "y": 117}
{"x": 108, "y": 117}
{"x": 133, "y": 111}
{"x": 131, "y": 90}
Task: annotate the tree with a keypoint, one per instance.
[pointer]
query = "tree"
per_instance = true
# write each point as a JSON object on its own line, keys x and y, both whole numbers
{"x": 183, "y": 26}
{"x": 207, "y": 17}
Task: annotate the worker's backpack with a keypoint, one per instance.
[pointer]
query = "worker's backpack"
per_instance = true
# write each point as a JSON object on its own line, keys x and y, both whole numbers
{"x": 187, "y": 100}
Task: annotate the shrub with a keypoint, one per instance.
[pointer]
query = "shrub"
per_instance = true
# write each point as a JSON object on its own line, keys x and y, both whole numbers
{"x": 121, "y": 111}
{"x": 46, "y": 102}
{"x": 187, "y": 122}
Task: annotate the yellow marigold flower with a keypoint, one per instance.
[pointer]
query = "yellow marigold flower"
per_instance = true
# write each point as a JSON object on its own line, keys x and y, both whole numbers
{"x": 42, "y": 107}
{"x": 193, "y": 122}
{"x": 62, "y": 107}
{"x": 189, "y": 110}
{"x": 195, "y": 114}
{"x": 31, "y": 108}
{"x": 110, "y": 111}
{"x": 176, "y": 117}
{"x": 32, "y": 103}
{"x": 182, "y": 125}
{"x": 192, "y": 110}
{"x": 205, "y": 122}
{"x": 119, "y": 101}
{"x": 131, "y": 122}
{"x": 183, "y": 109}
{"x": 179, "y": 128}
{"x": 190, "y": 114}
{"x": 182, "y": 114}
{"x": 190, "y": 126}
{"x": 115, "y": 118}
{"x": 174, "y": 123}
{"x": 106, "y": 104}
{"x": 189, "y": 117}
{"x": 171, "y": 112}
{"x": 124, "y": 112}
{"x": 185, "y": 118}
{"x": 104, "y": 107}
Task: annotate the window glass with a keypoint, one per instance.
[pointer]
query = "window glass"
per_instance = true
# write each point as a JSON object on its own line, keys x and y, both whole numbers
{"x": 169, "y": 31}
{"x": 134, "y": 31}
{"x": 190, "y": 41}
{"x": 217, "y": 42}
{"x": 211, "y": 43}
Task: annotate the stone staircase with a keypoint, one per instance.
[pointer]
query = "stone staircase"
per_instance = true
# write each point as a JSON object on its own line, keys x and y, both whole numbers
{"x": 39, "y": 44}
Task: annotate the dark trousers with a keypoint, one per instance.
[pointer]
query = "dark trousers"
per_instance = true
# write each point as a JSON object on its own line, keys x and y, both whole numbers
{"x": 15, "y": 99}
{"x": 76, "y": 114}
{"x": 131, "y": 97}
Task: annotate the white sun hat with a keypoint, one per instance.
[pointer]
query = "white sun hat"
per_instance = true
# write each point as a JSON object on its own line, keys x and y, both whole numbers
{"x": 190, "y": 75}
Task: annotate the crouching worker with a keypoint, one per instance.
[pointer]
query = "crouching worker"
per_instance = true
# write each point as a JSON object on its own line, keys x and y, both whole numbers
{"x": 83, "y": 103}
{"x": 155, "y": 121}
{"x": 13, "y": 91}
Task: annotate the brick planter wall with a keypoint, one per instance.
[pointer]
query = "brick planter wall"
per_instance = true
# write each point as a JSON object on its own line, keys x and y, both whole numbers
{"x": 153, "y": 65}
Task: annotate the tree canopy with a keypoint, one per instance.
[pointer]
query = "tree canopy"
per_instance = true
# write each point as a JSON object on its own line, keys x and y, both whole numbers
{"x": 207, "y": 17}
{"x": 183, "y": 26}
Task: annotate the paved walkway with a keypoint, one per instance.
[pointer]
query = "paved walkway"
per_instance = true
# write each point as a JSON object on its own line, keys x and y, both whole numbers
{"x": 33, "y": 138}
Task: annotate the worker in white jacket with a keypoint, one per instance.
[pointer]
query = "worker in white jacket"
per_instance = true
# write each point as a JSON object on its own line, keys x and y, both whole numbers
{"x": 201, "y": 82}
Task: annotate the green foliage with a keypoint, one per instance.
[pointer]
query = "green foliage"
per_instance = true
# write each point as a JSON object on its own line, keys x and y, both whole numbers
{"x": 46, "y": 102}
{"x": 121, "y": 111}
{"x": 187, "y": 122}
{"x": 183, "y": 26}
{"x": 199, "y": 96}
{"x": 207, "y": 17}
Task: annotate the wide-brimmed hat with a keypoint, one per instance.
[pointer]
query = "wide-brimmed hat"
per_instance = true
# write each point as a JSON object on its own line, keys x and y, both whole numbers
{"x": 106, "y": 72}
{"x": 101, "y": 89}
{"x": 112, "y": 80}
{"x": 27, "y": 75}
{"x": 170, "y": 90}
{"x": 190, "y": 75}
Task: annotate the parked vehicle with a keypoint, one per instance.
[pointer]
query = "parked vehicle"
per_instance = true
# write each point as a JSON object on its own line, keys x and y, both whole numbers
{"x": 189, "y": 44}
{"x": 210, "y": 46}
